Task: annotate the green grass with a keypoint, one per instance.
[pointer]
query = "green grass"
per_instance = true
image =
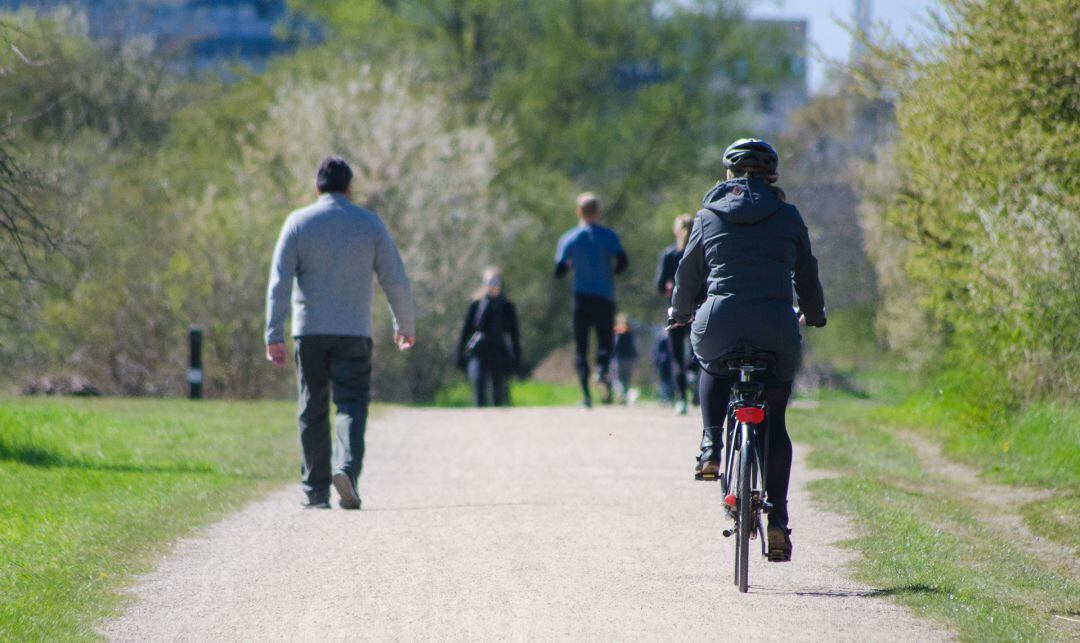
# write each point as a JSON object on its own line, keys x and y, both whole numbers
{"x": 926, "y": 549}
{"x": 1057, "y": 519}
{"x": 1037, "y": 446}
{"x": 93, "y": 490}
{"x": 522, "y": 393}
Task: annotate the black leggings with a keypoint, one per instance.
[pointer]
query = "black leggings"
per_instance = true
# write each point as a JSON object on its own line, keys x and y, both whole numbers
{"x": 715, "y": 392}
{"x": 482, "y": 372}
{"x": 592, "y": 312}
{"x": 677, "y": 340}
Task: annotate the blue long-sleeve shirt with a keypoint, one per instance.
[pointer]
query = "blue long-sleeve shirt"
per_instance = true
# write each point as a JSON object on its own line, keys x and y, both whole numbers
{"x": 595, "y": 255}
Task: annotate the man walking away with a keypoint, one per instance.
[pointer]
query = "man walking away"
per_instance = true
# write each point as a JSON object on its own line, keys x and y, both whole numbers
{"x": 331, "y": 250}
{"x": 595, "y": 255}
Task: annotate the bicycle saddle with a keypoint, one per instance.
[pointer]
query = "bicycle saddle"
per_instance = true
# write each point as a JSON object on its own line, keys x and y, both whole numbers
{"x": 758, "y": 360}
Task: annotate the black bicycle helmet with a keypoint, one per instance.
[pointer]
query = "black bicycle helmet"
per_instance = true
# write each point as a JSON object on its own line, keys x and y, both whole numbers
{"x": 752, "y": 156}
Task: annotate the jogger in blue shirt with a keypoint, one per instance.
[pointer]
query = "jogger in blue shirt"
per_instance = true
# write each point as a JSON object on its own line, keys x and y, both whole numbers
{"x": 595, "y": 255}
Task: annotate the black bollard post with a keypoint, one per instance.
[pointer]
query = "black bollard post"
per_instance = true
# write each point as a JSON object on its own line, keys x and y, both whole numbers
{"x": 195, "y": 372}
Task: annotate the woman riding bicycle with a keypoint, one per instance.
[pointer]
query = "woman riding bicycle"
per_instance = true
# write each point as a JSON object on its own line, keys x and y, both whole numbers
{"x": 749, "y": 245}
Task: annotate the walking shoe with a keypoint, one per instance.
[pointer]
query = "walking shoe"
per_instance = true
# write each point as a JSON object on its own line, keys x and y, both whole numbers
{"x": 315, "y": 504}
{"x": 586, "y": 403}
{"x": 680, "y": 407}
{"x": 347, "y": 490}
{"x": 779, "y": 544}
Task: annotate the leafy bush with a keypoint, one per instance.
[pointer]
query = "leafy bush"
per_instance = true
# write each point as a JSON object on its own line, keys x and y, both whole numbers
{"x": 988, "y": 202}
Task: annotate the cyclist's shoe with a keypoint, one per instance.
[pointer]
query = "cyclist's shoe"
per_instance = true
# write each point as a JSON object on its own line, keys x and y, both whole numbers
{"x": 779, "y": 544}
{"x": 708, "y": 464}
{"x": 680, "y": 407}
{"x": 347, "y": 490}
{"x": 707, "y": 470}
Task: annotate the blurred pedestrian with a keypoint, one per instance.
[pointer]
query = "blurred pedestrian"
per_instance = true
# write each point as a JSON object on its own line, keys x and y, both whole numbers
{"x": 626, "y": 356}
{"x": 595, "y": 255}
{"x": 489, "y": 349}
{"x": 665, "y": 283}
{"x": 661, "y": 357}
{"x": 324, "y": 262}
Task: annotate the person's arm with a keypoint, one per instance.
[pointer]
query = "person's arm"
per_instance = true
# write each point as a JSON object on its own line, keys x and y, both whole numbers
{"x": 811, "y": 297}
{"x": 562, "y": 257}
{"x": 621, "y": 260}
{"x": 468, "y": 327}
{"x": 515, "y": 336}
{"x": 689, "y": 276}
{"x": 279, "y": 292}
{"x": 661, "y": 273}
{"x": 395, "y": 283}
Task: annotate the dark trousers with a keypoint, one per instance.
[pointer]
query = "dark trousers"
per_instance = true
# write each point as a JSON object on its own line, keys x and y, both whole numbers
{"x": 677, "y": 339}
{"x": 715, "y": 392}
{"x": 593, "y": 313}
{"x": 484, "y": 374}
{"x": 340, "y": 366}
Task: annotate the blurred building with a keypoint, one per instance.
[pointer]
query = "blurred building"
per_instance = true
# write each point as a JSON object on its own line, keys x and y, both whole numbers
{"x": 194, "y": 34}
{"x": 779, "y": 72}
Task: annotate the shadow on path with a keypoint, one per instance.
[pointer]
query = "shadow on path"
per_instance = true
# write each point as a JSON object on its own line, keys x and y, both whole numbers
{"x": 834, "y": 592}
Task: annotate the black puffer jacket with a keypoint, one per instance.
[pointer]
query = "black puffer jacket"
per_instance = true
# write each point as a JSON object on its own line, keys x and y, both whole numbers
{"x": 493, "y": 320}
{"x": 750, "y": 247}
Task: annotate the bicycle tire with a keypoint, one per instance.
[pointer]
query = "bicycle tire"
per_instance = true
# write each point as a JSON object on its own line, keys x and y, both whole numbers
{"x": 745, "y": 503}
{"x": 736, "y": 469}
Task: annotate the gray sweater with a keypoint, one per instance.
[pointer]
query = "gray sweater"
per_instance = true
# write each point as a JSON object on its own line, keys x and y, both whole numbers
{"x": 332, "y": 249}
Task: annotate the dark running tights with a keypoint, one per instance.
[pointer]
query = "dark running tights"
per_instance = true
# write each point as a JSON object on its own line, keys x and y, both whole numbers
{"x": 715, "y": 392}
{"x": 677, "y": 342}
{"x": 592, "y": 313}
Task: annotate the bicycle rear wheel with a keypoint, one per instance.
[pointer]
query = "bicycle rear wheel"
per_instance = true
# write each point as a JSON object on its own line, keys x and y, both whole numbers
{"x": 733, "y": 487}
{"x": 745, "y": 508}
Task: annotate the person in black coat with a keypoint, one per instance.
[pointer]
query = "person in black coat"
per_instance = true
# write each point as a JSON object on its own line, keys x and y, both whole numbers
{"x": 666, "y": 266}
{"x": 490, "y": 348}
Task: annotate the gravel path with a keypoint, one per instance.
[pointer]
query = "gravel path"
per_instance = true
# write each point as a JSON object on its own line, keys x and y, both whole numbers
{"x": 511, "y": 524}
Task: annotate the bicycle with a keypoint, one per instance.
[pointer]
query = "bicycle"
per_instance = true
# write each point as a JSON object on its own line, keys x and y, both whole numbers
{"x": 745, "y": 460}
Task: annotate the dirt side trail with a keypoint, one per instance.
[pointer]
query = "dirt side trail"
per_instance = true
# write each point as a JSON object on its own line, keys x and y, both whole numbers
{"x": 512, "y": 524}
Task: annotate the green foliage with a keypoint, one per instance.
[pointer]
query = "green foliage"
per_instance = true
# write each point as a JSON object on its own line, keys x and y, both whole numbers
{"x": 471, "y": 124}
{"x": 989, "y": 202}
{"x": 93, "y": 489}
{"x": 622, "y": 98}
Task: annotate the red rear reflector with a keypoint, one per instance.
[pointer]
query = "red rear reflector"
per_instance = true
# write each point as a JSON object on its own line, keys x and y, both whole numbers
{"x": 729, "y": 500}
{"x": 750, "y": 415}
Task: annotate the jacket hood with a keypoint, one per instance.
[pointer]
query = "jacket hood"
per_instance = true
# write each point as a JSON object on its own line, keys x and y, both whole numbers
{"x": 743, "y": 200}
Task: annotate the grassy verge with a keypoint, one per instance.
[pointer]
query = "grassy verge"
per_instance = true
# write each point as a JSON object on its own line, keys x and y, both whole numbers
{"x": 522, "y": 393}
{"x": 94, "y": 489}
{"x": 928, "y": 549}
{"x": 1038, "y": 446}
